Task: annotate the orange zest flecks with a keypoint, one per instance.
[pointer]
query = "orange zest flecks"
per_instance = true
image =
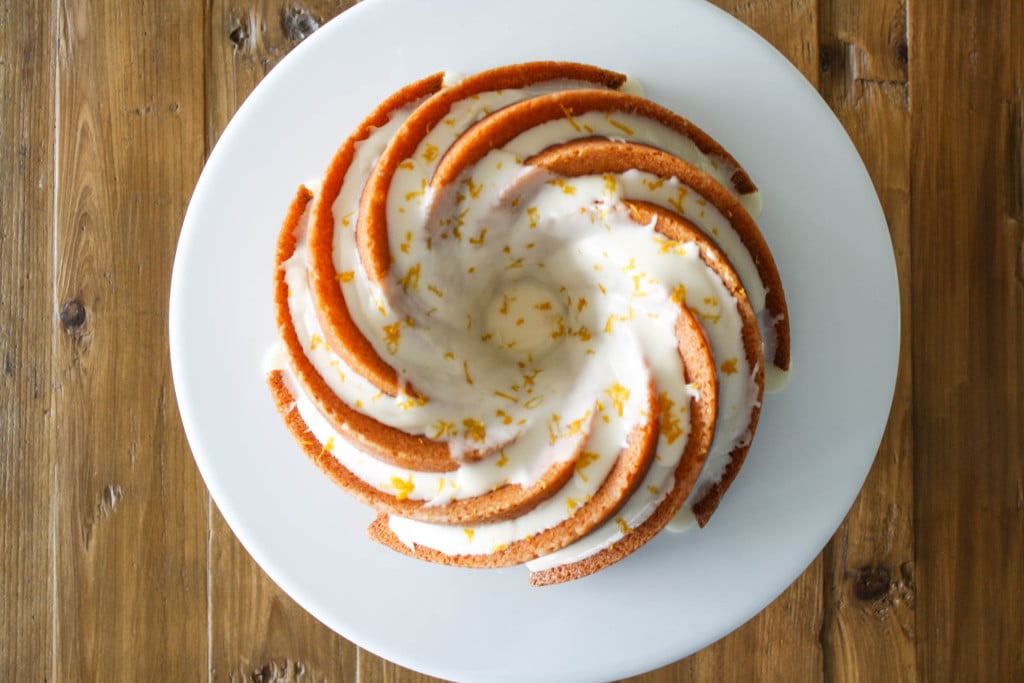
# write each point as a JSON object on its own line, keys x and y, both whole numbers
{"x": 474, "y": 189}
{"x": 653, "y": 490}
{"x": 729, "y": 366}
{"x": 316, "y": 341}
{"x": 637, "y": 282}
{"x": 653, "y": 184}
{"x": 677, "y": 203}
{"x": 533, "y": 213}
{"x": 406, "y": 245}
{"x": 679, "y": 294}
{"x": 402, "y": 487}
{"x": 328, "y": 445}
{"x": 567, "y": 188}
{"x": 609, "y": 324}
{"x": 460, "y": 220}
{"x": 668, "y": 419}
{"x": 409, "y": 402}
{"x": 465, "y": 370}
{"x": 475, "y": 429}
{"x": 479, "y": 239}
{"x": 570, "y": 505}
{"x": 567, "y": 112}
{"x": 392, "y": 336}
{"x": 574, "y": 428}
{"x": 346, "y": 220}
{"x": 587, "y": 458}
{"x": 444, "y": 429}
{"x": 469, "y": 534}
{"x": 409, "y": 196}
{"x": 430, "y": 153}
{"x": 505, "y": 417}
{"x": 345, "y": 276}
{"x": 534, "y": 402}
{"x": 619, "y": 395}
{"x": 621, "y": 126}
{"x": 582, "y": 332}
{"x": 408, "y": 165}
{"x": 624, "y": 526}
{"x": 502, "y": 459}
{"x": 507, "y": 397}
{"x": 711, "y": 318}
{"x": 411, "y": 279}
{"x": 434, "y": 289}
{"x": 611, "y": 183}
{"x": 670, "y": 247}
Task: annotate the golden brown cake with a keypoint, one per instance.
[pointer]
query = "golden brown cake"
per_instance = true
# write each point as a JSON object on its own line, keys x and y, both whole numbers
{"x": 526, "y": 317}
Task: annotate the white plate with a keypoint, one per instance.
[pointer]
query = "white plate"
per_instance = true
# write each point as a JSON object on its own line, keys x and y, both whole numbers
{"x": 816, "y": 441}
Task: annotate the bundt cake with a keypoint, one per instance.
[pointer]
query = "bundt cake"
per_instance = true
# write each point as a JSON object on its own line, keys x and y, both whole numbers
{"x": 526, "y": 315}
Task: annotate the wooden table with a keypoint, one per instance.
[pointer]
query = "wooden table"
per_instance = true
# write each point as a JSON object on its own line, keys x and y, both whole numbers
{"x": 117, "y": 566}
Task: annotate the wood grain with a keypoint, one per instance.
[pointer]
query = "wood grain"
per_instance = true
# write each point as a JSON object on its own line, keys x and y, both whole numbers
{"x": 781, "y": 641}
{"x": 258, "y": 632}
{"x": 131, "y": 518}
{"x": 869, "y": 629}
{"x": 114, "y": 564}
{"x": 968, "y": 315}
{"x": 27, "y": 333}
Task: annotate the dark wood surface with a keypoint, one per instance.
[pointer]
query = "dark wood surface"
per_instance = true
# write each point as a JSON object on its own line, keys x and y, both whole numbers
{"x": 114, "y": 563}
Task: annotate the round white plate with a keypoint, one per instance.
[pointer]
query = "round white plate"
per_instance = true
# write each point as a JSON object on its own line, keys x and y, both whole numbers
{"x": 681, "y": 592}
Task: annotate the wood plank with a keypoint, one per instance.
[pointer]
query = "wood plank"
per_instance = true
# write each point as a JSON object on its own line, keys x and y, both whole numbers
{"x": 131, "y": 516}
{"x": 869, "y": 632}
{"x": 967, "y": 76}
{"x": 374, "y": 669}
{"x": 780, "y": 643}
{"x": 27, "y": 323}
{"x": 258, "y": 632}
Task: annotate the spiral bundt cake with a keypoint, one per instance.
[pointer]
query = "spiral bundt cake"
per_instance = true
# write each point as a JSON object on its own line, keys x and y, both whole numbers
{"x": 525, "y": 316}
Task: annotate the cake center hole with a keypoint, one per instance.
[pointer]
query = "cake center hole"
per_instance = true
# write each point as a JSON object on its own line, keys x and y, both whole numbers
{"x": 526, "y": 317}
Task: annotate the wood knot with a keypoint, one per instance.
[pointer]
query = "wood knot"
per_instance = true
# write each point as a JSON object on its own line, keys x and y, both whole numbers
{"x": 279, "y": 672}
{"x": 824, "y": 61}
{"x": 871, "y": 583}
{"x": 239, "y": 36}
{"x": 297, "y": 23}
{"x": 72, "y": 314}
{"x": 902, "y": 51}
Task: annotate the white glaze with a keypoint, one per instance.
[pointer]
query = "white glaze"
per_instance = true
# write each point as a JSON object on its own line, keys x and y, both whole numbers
{"x": 537, "y": 375}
